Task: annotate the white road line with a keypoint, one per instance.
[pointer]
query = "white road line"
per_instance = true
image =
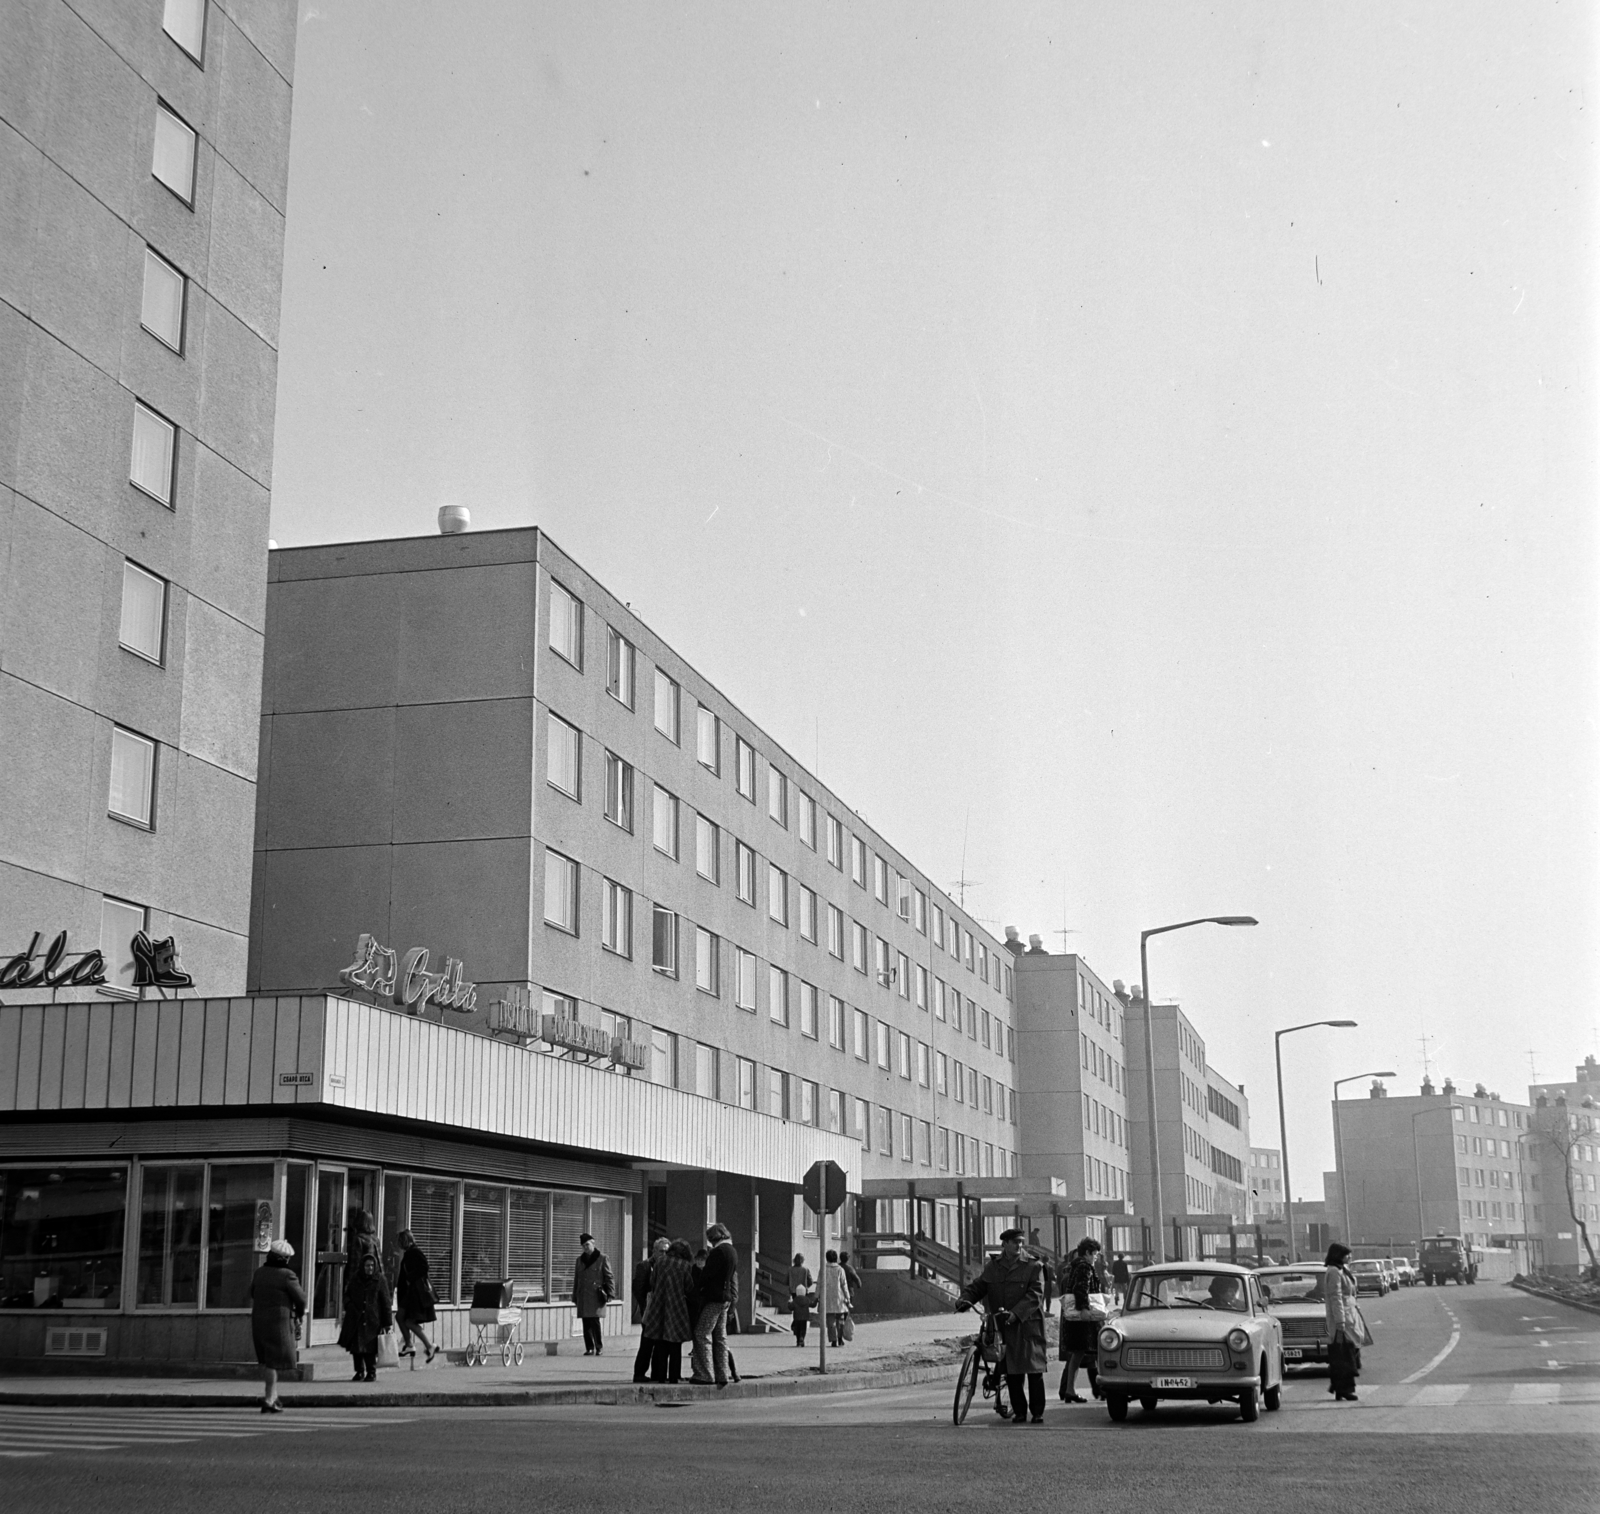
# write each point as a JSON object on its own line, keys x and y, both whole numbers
{"x": 1449, "y": 1346}
{"x": 1438, "y": 1395}
{"x": 1536, "y": 1393}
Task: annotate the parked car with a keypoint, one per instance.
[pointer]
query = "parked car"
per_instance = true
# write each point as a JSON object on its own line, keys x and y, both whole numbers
{"x": 1295, "y": 1296}
{"x": 1370, "y": 1276}
{"x": 1405, "y": 1270}
{"x": 1194, "y": 1331}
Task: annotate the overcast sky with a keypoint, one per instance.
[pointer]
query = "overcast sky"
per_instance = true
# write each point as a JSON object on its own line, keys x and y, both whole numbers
{"x": 1142, "y": 457}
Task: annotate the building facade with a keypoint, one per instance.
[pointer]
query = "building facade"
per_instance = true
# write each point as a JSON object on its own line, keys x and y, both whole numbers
{"x": 145, "y": 165}
{"x": 1228, "y": 1133}
{"x": 1266, "y": 1185}
{"x": 1565, "y": 1140}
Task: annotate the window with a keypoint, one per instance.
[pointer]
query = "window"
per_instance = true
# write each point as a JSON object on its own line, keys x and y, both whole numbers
{"x": 983, "y": 962}
{"x": 667, "y": 701}
{"x": 664, "y": 822}
{"x": 907, "y": 1126}
{"x": 561, "y": 892}
{"x": 174, "y": 156}
{"x": 808, "y": 1010}
{"x": 836, "y": 1111}
{"x": 880, "y": 879}
{"x": 882, "y": 1045}
{"x": 708, "y": 740}
{"x": 619, "y": 791}
{"x": 922, "y": 1063}
{"x": 747, "y": 1083}
{"x": 861, "y": 1114}
{"x": 707, "y": 962}
{"x": 707, "y": 850}
{"x": 885, "y": 1131}
{"x": 777, "y": 1094}
{"x": 988, "y": 1095}
{"x": 620, "y": 659}
{"x": 65, "y": 1225}
{"x": 133, "y": 777}
{"x": 745, "y": 768}
{"x": 777, "y": 995}
{"x": 185, "y": 22}
{"x": 922, "y": 987}
{"x": 155, "y": 450}
{"x": 902, "y": 975}
{"x": 953, "y": 1004}
{"x": 744, "y": 872}
{"x": 144, "y": 613}
{"x": 777, "y": 894}
{"x": 745, "y": 980}
{"x": 987, "y": 1023}
{"x": 859, "y": 1029}
{"x": 938, "y": 926}
{"x": 880, "y": 962}
{"x": 835, "y": 932}
{"x": 171, "y": 1212}
{"x": 944, "y": 1154}
{"x": 562, "y": 748}
{"x": 807, "y": 819}
{"x": 777, "y": 796}
{"x": 836, "y": 1023}
{"x": 663, "y": 941}
{"x": 858, "y": 946}
{"x": 616, "y": 918}
{"x": 807, "y": 1112}
{"x": 808, "y": 913}
{"x": 566, "y": 625}
{"x": 858, "y": 861}
{"x": 705, "y": 1071}
{"x": 919, "y": 911}
{"x": 120, "y": 922}
{"x": 938, "y": 998}
{"x": 835, "y": 843}
{"x": 161, "y": 309}
{"x": 902, "y": 1048}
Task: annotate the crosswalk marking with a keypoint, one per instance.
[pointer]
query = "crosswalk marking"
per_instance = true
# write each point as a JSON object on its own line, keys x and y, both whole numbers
{"x": 1439, "y": 1395}
{"x": 1536, "y": 1393}
{"x": 42, "y": 1430}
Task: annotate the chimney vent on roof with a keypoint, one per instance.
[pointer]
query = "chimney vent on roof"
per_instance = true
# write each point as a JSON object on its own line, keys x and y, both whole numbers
{"x": 1427, "y": 1087}
{"x": 1118, "y": 987}
{"x": 1036, "y": 947}
{"x": 454, "y": 519}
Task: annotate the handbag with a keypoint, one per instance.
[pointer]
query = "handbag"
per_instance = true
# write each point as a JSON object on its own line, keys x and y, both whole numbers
{"x": 847, "y": 1328}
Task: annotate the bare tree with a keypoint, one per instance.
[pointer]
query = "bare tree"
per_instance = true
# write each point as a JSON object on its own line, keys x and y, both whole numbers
{"x": 1563, "y": 1131}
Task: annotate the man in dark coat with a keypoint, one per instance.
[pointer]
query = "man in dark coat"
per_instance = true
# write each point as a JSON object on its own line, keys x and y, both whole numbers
{"x": 592, "y": 1289}
{"x": 1013, "y": 1285}
{"x": 719, "y": 1292}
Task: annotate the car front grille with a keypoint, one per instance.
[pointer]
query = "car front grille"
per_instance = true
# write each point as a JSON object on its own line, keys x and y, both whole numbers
{"x": 1303, "y": 1329}
{"x": 1202, "y": 1357}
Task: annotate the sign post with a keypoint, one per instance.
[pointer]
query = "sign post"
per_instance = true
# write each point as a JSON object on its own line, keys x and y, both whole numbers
{"x": 824, "y": 1192}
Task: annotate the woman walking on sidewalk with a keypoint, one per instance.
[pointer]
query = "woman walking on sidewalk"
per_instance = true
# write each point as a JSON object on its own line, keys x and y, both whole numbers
{"x": 367, "y": 1315}
{"x": 799, "y": 1298}
{"x": 835, "y": 1294}
{"x": 413, "y": 1297}
{"x": 277, "y": 1305}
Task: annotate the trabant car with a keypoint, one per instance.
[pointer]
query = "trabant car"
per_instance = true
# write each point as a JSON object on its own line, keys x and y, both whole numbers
{"x": 1404, "y": 1271}
{"x": 1369, "y": 1275}
{"x": 1295, "y": 1296}
{"x": 1199, "y": 1331}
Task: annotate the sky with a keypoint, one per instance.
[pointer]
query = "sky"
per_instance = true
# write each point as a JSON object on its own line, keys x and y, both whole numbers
{"x": 1141, "y": 457}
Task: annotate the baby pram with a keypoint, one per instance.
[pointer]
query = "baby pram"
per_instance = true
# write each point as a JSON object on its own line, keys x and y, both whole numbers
{"x": 492, "y": 1309}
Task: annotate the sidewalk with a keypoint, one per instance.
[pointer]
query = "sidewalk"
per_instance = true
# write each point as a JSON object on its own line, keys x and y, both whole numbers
{"x": 885, "y": 1353}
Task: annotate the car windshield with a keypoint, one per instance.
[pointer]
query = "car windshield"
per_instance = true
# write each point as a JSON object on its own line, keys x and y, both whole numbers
{"x": 1365, "y": 1266}
{"x": 1291, "y": 1287}
{"x": 1187, "y": 1290}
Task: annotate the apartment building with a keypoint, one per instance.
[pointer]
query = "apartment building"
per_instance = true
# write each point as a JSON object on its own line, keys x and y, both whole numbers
{"x": 1565, "y": 1143}
{"x": 1266, "y": 1184}
{"x": 145, "y": 163}
{"x": 1182, "y": 1111}
{"x": 1228, "y": 1133}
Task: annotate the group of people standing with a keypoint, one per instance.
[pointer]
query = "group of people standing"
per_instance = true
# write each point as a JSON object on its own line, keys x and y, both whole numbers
{"x": 835, "y": 1300}
{"x": 686, "y": 1296}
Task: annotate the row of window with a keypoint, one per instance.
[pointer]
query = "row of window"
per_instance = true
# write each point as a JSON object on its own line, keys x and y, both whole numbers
{"x": 1492, "y": 1177}
{"x": 1487, "y": 1209}
{"x": 1102, "y": 1120}
{"x": 787, "y": 804}
{"x": 1222, "y": 1107}
{"x": 1096, "y": 1060}
{"x": 1100, "y": 1007}
{"x": 1226, "y": 1165}
{"x": 1103, "y": 1179}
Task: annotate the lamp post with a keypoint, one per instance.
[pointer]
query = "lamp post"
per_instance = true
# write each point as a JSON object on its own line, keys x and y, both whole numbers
{"x": 1338, "y": 1144}
{"x": 1283, "y": 1124}
{"x": 1416, "y": 1168}
{"x": 1150, "y": 1052}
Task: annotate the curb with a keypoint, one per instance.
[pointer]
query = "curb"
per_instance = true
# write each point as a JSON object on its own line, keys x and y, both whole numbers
{"x": 624, "y": 1393}
{"x": 1554, "y": 1298}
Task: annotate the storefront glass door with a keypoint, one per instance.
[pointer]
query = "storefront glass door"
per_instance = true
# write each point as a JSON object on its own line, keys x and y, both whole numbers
{"x": 328, "y": 1284}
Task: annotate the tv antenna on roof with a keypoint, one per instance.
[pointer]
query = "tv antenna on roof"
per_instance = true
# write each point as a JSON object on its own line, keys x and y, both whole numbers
{"x": 1064, "y": 932}
{"x": 1427, "y": 1063}
{"x": 963, "y": 883}
{"x": 1533, "y": 1071}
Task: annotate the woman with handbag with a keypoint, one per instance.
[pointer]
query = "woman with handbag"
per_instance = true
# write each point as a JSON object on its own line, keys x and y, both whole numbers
{"x": 414, "y": 1298}
{"x": 1080, "y": 1322}
{"x": 277, "y": 1305}
{"x": 799, "y": 1298}
{"x": 1344, "y": 1325}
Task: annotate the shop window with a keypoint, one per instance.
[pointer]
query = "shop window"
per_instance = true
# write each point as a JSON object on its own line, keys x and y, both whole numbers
{"x": 61, "y": 1237}
{"x": 605, "y": 1224}
{"x": 231, "y": 1260}
{"x": 483, "y": 1236}
{"x": 170, "y": 1216}
{"x": 433, "y": 1227}
{"x": 529, "y": 1227}
{"x": 567, "y": 1223}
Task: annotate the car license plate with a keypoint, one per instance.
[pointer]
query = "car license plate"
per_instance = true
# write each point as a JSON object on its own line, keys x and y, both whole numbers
{"x": 1173, "y": 1382}
{"x": 1291, "y": 1353}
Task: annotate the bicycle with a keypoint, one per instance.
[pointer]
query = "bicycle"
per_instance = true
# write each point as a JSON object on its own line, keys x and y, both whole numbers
{"x": 984, "y": 1366}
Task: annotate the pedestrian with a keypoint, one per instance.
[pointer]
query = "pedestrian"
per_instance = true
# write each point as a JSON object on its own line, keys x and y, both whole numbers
{"x": 834, "y": 1298}
{"x": 414, "y": 1298}
{"x": 669, "y": 1311}
{"x": 367, "y": 1314}
{"x": 1121, "y": 1273}
{"x": 643, "y": 1282}
{"x": 799, "y": 1298}
{"x": 277, "y": 1305}
{"x": 719, "y": 1292}
{"x": 592, "y": 1289}
{"x": 1344, "y": 1325}
{"x": 1080, "y": 1322}
{"x": 1013, "y": 1286}
{"x": 851, "y": 1276}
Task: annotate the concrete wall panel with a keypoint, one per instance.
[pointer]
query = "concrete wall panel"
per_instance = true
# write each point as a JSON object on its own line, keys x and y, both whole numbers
{"x": 238, "y": 395}
{"x": 79, "y": 298}
{"x": 330, "y": 651}
{"x": 221, "y": 692}
{"x": 315, "y": 904}
{"x": 270, "y": 26}
{"x": 20, "y": 172}
{"x": 332, "y": 780}
{"x": 486, "y": 927}
{"x": 246, "y": 266}
{"x": 462, "y": 771}
{"x": 43, "y": 826}
{"x": 52, "y": 581}
{"x": 74, "y": 431}
{"x": 227, "y": 561}
{"x": 252, "y": 124}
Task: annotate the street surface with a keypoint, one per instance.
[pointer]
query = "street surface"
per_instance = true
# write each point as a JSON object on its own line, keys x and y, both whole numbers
{"x": 1472, "y": 1399}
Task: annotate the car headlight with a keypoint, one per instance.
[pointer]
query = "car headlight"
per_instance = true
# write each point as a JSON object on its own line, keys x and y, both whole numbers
{"x": 1110, "y": 1339}
{"x": 1238, "y": 1340}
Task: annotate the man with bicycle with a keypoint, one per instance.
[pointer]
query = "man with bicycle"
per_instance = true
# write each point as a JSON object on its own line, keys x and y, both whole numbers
{"x": 1013, "y": 1287}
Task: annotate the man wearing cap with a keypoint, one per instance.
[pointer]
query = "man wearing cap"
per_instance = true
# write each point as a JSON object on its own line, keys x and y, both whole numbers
{"x": 1013, "y": 1285}
{"x": 592, "y": 1290}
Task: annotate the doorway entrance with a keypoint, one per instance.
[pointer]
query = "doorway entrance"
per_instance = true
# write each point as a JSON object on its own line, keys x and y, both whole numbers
{"x": 342, "y": 1193}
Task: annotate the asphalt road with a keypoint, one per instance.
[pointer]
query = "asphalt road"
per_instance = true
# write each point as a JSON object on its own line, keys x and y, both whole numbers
{"x": 1472, "y": 1399}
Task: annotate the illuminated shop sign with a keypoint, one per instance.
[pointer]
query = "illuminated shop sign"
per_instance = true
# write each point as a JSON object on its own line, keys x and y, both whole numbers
{"x": 155, "y": 965}
{"x": 515, "y": 1015}
{"x": 407, "y": 981}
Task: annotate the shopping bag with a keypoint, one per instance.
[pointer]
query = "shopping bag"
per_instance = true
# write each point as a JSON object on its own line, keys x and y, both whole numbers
{"x": 847, "y": 1329}
{"x": 1363, "y": 1335}
{"x": 388, "y": 1352}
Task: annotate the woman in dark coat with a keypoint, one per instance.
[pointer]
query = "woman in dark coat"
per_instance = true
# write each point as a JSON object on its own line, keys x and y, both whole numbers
{"x": 277, "y": 1305}
{"x": 799, "y": 1298}
{"x": 1078, "y": 1328}
{"x": 643, "y": 1282}
{"x": 668, "y": 1317}
{"x": 1344, "y": 1325}
{"x": 413, "y": 1297}
{"x": 367, "y": 1314}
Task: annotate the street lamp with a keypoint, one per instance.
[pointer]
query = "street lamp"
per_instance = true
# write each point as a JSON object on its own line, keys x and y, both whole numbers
{"x": 1338, "y": 1144}
{"x": 1149, "y": 1046}
{"x": 1416, "y": 1168}
{"x": 1283, "y": 1126}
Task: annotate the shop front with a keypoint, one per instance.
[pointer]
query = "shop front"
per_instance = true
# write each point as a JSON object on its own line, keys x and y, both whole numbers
{"x": 149, "y": 1153}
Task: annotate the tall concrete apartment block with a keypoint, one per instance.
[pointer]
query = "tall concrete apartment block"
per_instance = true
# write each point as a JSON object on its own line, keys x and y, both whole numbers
{"x": 1228, "y": 1135}
{"x": 470, "y": 746}
{"x": 143, "y": 165}
{"x": 1072, "y": 1078}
